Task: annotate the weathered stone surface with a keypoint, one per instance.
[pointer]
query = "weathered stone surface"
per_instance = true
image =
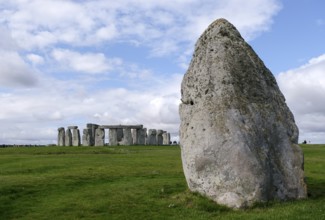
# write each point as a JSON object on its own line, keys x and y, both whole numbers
{"x": 119, "y": 134}
{"x": 68, "y": 137}
{"x": 160, "y": 137}
{"x": 92, "y": 128}
{"x": 61, "y": 136}
{"x": 99, "y": 137}
{"x": 86, "y": 136}
{"x": 142, "y": 136}
{"x": 113, "y": 137}
{"x": 166, "y": 138}
{"x": 75, "y": 137}
{"x": 152, "y": 137}
{"x": 127, "y": 137}
{"x": 135, "y": 136}
{"x": 238, "y": 137}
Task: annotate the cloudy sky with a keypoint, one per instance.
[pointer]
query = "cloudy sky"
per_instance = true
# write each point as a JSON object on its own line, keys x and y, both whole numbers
{"x": 69, "y": 62}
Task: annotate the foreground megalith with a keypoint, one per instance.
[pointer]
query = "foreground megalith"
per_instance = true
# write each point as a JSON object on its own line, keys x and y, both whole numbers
{"x": 238, "y": 137}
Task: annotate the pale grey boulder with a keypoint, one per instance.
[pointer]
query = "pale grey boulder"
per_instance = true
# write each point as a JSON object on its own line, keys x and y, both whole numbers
{"x": 238, "y": 137}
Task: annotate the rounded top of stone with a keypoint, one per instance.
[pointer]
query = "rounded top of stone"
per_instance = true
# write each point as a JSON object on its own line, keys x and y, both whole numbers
{"x": 221, "y": 28}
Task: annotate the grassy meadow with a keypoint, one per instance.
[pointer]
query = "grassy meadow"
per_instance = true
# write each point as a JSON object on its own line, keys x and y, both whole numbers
{"x": 135, "y": 182}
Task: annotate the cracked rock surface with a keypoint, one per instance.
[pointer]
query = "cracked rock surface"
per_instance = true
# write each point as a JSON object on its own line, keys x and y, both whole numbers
{"x": 238, "y": 137}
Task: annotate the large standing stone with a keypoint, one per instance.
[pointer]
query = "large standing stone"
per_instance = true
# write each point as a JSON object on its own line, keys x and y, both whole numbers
{"x": 238, "y": 137}
{"x": 166, "y": 138}
{"x": 119, "y": 134}
{"x": 160, "y": 137}
{"x": 135, "y": 136}
{"x": 92, "y": 128}
{"x": 61, "y": 136}
{"x": 86, "y": 137}
{"x": 113, "y": 137}
{"x": 68, "y": 137}
{"x": 152, "y": 137}
{"x": 142, "y": 136}
{"x": 75, "y": 137}
{"x": 127, "y": 137}
{"x": 99, "y": 137}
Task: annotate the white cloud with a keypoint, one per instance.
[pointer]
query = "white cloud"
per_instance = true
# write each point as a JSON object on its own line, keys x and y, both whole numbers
{"x": 87, "y": 62}
{"x": 14, "y": 71}
{"x": 304, "y": 89}
{"x": 35, "y": 59}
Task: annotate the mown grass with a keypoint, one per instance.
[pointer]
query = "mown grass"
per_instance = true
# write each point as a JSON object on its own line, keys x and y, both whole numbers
{"x": 136, "y": 182}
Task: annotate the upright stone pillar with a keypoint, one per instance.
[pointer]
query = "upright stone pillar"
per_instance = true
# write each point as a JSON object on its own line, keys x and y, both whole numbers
{"x": 168, "y": 139}
{"x": 135, "y": 136}
{"x": 61, "y": 136}
{"x": 113, "y": 137}
{"x": 68, "y": 137}
{"x": 92, "y": 128}
{"x": 152, "y": 137}
{"x": 165, "y": 138}
{"x": 127, "y": 137}
{"x": 119, "y": 134}
{"x": 75, "y": 135}
{"x": 100, "y": 137}
{"x": 142, "y": 135}
{"x": 159, "y": 137}
{"x": 86, "y": 137}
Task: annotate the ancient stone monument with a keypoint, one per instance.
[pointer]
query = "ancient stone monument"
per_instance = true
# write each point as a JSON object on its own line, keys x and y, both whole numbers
{"x": 94, "y": 135}
{"x": 68, "y": 137}
{"x": 86, "y": 137}
{"x": 61, "y": 136}
{"x": 238, "y": 137}
{"x": 152, "y": 137}
{"x": 75, "y": 135}
{"x": 99, "y": 136}
{"x": 160, "y": 137}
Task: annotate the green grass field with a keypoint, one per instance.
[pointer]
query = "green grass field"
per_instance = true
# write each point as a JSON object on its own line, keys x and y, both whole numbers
{"x": 136, "y": 182}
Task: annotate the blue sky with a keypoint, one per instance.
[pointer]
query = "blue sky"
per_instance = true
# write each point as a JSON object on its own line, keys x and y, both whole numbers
{"x": 65, "y": 62}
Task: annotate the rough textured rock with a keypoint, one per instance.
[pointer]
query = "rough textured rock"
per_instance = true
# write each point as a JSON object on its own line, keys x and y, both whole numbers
{"x": 135, "y": 136}
{"x": 152, "y": 137}
{"x": 75, "y": 137}
{"x": 142, "y": 136}
{"x": 237, "y": 135}
{"x": 119, "y": 134}
{"x": 113, "y": 137}
{"x": 99, "y": 137}
{"x": 86, "y": 137}
{"x": 61, "y": 136}
{"x": 127, "y": 137}
{"x": 160, "y": 137}
{"x": 68, "y": 137}
{"x": 166, "y": 138}
{"x": 92, "y": 128}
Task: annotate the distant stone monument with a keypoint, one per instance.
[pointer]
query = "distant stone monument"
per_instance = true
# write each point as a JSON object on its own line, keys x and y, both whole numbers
{"x": 238, "y": 137}
{"x": 68, "y": 137}
{"x": 61, "y": 136}
{"x": 160, "y": 137}
{"x": 152, "y": 137}
{"x": 99, "y": 137}
{"x": 86, "y": 137}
